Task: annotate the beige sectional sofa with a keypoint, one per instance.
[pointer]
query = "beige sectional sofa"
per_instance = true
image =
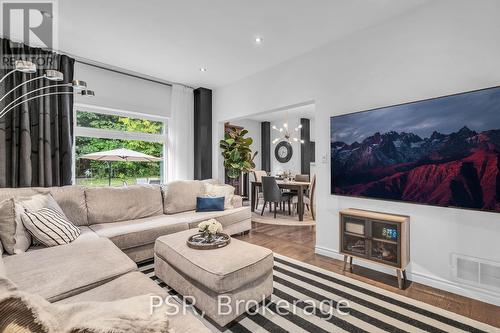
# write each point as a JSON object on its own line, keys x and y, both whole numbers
{"x": 133, "y": 217}
{"x": 119, "y": 227}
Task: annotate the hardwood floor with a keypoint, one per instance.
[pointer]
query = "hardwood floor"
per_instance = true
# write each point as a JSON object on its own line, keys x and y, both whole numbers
{"x": 299, "y": 242}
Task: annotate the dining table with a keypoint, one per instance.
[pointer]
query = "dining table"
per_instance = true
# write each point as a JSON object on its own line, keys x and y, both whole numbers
{"x": 299, "y": 187}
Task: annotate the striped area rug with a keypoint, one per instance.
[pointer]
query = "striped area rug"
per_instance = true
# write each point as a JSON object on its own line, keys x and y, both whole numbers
{"x": 312, "y": 295}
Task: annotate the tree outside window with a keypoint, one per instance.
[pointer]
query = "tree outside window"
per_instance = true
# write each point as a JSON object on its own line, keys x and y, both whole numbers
{"x": 95, "y": 173}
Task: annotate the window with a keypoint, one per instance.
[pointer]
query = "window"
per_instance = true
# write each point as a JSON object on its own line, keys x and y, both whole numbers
{"x": 118, "y": 123}
{"x": 99, "y": 130}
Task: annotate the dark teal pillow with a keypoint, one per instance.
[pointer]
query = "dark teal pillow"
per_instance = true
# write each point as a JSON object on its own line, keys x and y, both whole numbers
{"x": 208, "y": 204}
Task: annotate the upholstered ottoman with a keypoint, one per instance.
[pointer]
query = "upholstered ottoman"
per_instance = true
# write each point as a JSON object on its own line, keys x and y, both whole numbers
{"x": 223, "y": 283}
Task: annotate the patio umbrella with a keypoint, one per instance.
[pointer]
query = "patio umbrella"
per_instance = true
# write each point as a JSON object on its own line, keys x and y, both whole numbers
{"x": 120, "y": 155}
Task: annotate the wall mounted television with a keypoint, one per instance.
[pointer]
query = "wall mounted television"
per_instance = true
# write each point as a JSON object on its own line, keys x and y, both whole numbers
{"x": 443, "y": 151}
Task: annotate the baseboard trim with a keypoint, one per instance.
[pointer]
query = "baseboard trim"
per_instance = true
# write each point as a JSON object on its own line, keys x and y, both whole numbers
{"x": 425, "y": 279}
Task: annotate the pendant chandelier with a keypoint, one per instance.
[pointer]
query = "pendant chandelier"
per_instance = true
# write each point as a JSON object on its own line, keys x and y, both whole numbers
{"x": 27, "y": 67}
{"x": 286, "y": 134}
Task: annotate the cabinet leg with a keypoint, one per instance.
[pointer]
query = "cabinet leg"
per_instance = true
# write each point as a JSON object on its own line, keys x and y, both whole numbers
{"x": 400, "y": 280}
{"x": 345, "y": 262}
{"x": 405, "y": 280}
{"x": 350, "y": 264}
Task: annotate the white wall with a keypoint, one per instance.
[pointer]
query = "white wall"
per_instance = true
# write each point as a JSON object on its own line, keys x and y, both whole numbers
{"x": 123, "y": 92}
{"x": 294, "y": 163}
{"x": 440, "y": 48}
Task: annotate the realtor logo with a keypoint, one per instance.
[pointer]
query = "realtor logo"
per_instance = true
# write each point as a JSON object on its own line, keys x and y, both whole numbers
{"x": 31, "y": 23}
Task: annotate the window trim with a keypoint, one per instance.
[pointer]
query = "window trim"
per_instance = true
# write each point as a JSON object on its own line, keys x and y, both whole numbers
{"x": 116, "y": 112}
{"x": 117, "y": 134}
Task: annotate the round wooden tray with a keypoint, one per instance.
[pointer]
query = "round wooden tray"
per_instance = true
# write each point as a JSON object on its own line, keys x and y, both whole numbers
{"x": 199, "y": 242}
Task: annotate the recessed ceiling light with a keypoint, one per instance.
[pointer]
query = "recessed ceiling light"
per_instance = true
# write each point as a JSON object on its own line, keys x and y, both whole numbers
{"x": 259, "y": 40}
{"x": 203, "y": 69}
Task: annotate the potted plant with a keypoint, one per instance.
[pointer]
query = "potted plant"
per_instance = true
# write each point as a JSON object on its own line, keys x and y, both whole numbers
{"x": 237, "y": 154}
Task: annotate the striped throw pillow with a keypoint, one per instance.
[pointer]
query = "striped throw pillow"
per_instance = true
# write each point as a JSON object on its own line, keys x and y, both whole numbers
{"x": 50, "y": 227}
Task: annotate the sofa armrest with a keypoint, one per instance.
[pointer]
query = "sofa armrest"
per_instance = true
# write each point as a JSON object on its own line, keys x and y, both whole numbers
{"x": 237, "y": 201}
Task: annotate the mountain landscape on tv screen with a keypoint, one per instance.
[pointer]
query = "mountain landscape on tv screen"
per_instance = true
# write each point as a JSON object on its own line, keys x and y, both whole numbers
{"x": 443, "y": 151}
{"x": 458, "y": 169}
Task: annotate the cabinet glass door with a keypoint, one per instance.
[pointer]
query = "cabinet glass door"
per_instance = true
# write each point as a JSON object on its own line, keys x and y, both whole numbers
{"x": 385, "y": 238}
{"x": 354, "y": 236}
{"x": 385, "y": 231}
{"x": 355, "y": 245}
{"x": 353, "y": 225}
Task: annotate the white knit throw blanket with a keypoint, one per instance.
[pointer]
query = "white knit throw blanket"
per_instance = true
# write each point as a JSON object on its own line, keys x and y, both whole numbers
{"x": 127, "y": 315}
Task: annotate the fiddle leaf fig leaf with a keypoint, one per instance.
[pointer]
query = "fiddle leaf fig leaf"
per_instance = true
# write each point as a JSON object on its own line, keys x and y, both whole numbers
{"x": 236, "y": 151}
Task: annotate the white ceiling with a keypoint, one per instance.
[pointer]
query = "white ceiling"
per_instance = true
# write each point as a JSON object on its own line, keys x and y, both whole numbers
{"x": 172, "y": 39}
{"x": 304, "y": 111}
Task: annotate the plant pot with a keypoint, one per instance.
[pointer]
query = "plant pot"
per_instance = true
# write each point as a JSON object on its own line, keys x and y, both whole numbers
{"x": 236, "y": 183}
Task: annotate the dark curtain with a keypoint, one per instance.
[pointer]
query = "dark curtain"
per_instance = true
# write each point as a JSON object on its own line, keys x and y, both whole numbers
{"x": 36, "y": 138}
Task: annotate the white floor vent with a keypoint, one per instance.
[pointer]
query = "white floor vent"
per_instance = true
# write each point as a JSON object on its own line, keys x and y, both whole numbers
{"x": 479, "y": 272}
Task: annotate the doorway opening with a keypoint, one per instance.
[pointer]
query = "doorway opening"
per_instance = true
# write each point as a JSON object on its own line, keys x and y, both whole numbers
{"x": 284, "y": 140}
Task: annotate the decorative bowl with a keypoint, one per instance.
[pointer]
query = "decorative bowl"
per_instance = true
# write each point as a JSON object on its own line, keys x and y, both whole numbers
{"x": 200, "y": 241}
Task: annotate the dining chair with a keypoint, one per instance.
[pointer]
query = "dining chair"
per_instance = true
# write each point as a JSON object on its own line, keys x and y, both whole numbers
{"x": 309, "y": 200}
{"x": 272, "y": 194}
{"x": 299, "y": 178}
{"x": 257, "y": 175}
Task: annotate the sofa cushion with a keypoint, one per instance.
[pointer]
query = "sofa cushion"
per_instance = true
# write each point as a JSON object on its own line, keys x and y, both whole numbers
{"x": 3, "y": 273}
{"x": 71, "y": 199}
{"x": 244, "y": 262}
{"x": 14, "y": 236}
{"x": 63, "y": 271}
{"x": 8, "y": 193}
{"x": 129, "y": 234}
{"x": 180, "y": 196}
{"x": 86, "y": 234}
{"x": 136, "y": 284}
{"x": 128, "y": 285}
{"x": 226, "y": 217}
{"x": 224, "y": 190}
{"x": 210, "y": 181}
{"x": 237, "y": 201}
{"x": 207, "y": 204}
{"x": 50, "y": 227}
{"x": 36, "y": 202}
{"x": 27, "y": 312}
{"x": 8, "y": 224}
{"x": 33, "y": 203}
{"x": 114, "y": 204}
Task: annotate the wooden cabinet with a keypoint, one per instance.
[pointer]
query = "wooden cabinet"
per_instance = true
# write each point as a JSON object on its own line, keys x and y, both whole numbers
{"x": 376, "y": 237}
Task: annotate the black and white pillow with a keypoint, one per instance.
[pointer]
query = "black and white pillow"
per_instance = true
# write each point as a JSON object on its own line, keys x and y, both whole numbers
{"x": 50, "y": 227}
